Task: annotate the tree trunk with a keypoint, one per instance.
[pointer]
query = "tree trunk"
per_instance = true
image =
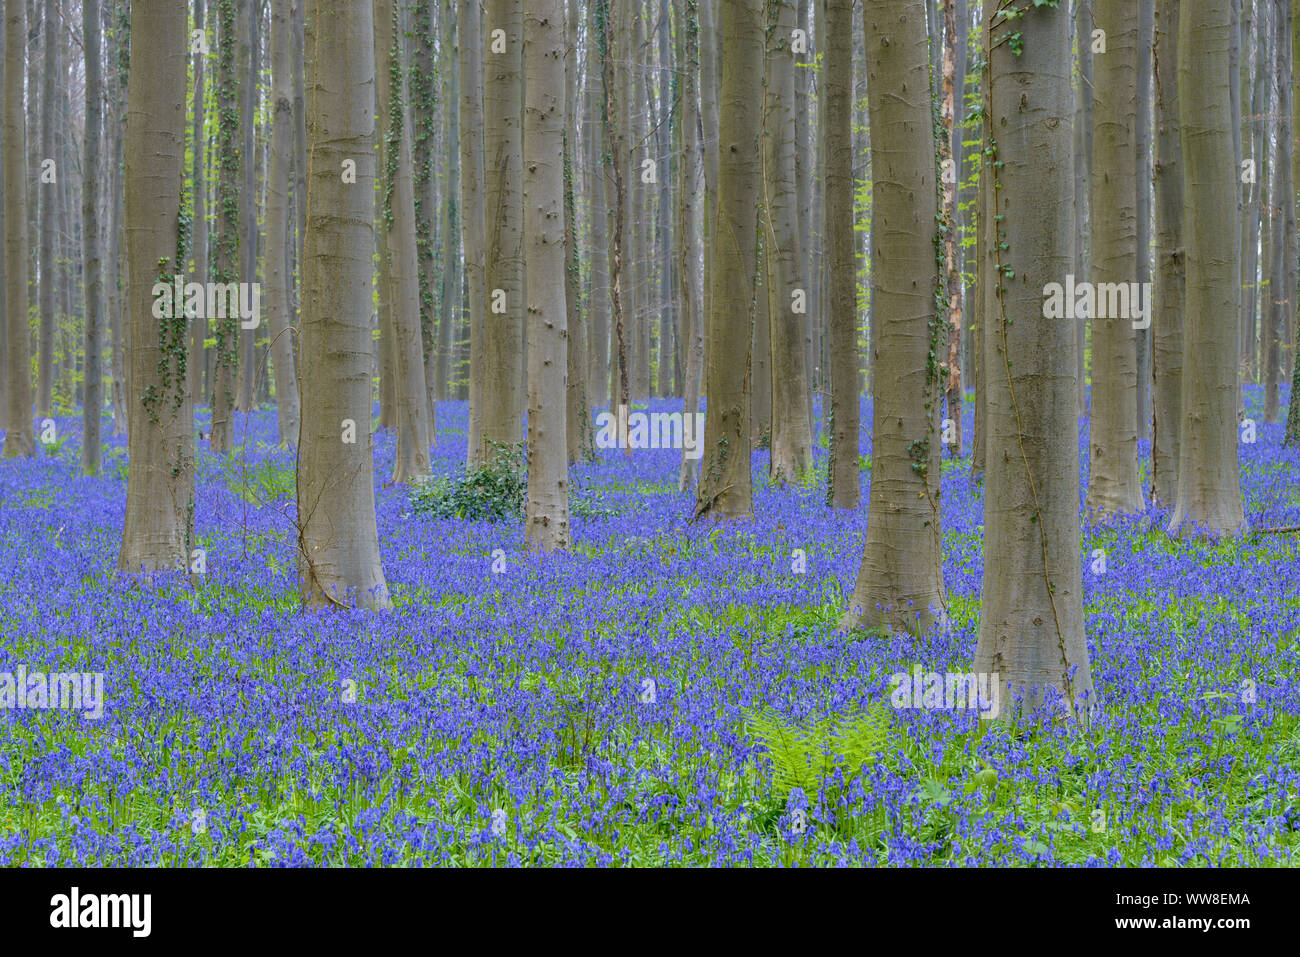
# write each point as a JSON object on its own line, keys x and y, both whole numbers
{"x": 597, "y": 215}
{"x": 546, "y": 520}
{"x": 1283, "y": 215}
{"x": 48, "y": 193}
{"x": 198, "y": 110}
{"x": 424, "y": 74}
{"x": 338, "y": 542}
{"x": 397, "y": 220}
{"x": 1114, "y": 485}
{"x": 277, "y": 226}
{"x": 726, "y": 487}
{"x": 1169, "y": 301}
{"x": 93, "y": 403}
{"x": 159, "y": 529}
{"x": 900, "y": 581}
{"x": 950, "y": 150}
{"x": 503, "y": 323}
{"x": 226, "y": 245}
{"x": 1082, "y": 175}
{"x": 1031, "y": 631}
{"x": 578, "y": 422}
{"x": 786, "y": 295}
{"x": 1209, "y": 489}
{"x": 688, "y": 237}
{"x": 19, "y": 439}
{"x": 841, "y": 302}
{"x": 119, "y": 55}
{"x": 473, "y": 211}
{"x": 449, "y": 300}
{"x": 249, "y": 56}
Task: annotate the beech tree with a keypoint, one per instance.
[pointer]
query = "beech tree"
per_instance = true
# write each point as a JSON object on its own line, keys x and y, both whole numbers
{"x": 1031, "y": 631}
{"x": 338, "y": 540}
{"x": 786, "y": 299}
{"x": 1114, "y": 484}
{"x": 547, "y": 504}
{"x": 159, "y": 530}
{"x": 726, "y": 487}
{"x": 93, "y": 405}
{"x": 276, "y": 268}
{"x": 1169, "y": 298}
{"x": 900, "y": 581}
{"x": 227, "y": 237}
{"x": 19, "y": 439}
{"x": 1209, "y": 485}
{"x": 398, "y": 252}
{"x": 841, "y": 249}
{"x": 473, "y": 211}
{"x": 503, "y": 325}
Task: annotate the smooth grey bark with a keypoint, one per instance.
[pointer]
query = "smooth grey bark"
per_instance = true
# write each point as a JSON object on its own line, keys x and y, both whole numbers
{"x": 1283, "y": 215}
{"x": 159, "y": 527}
{"x": 1082, "y": 172}
{"x": 578, "y": 427}
{"x": 93, "y": 404}
{"x": 1031, "y": 631}
{"x": 688, "y": 235}
{"x": 48, "y": 194}
{"x": 501, "y": 399}
{"x": 1168, "y": 311}
{"x": 338, "y": 541}
{"x": 726, "y": 485}
{"x": 450, "y": 278}
{"x": 473, "y": 211}
{"x": 791, "y": 428}
{"x": 1114, "y": 484}
{"x": 19, "y": 438}
{"x": 275, "y": 268}
{"x": 597, "y": 216}
{"x": 900, "y": 579}
{"x": 841, "y": 423}
{"x": 198, "y": 173}
{"x": 250, "y": 49}
{"x": 118, "y": 57}
{"x": 1144, "y": 147}
{"x": 546, "y": 506}
{"x": 1209, "y": 490}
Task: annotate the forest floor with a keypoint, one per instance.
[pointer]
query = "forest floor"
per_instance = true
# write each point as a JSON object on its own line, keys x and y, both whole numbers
{"x": 607, "y": 706}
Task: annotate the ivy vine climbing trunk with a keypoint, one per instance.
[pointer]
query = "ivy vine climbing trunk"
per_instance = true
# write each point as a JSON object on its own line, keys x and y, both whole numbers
{"x": 843, "y": 473}
{"x": 338, "y": 540}
{"x": 226, "y": 241}
{"x": 900, "y": 580}
{"x": 1031, "y": 631}
{"x": 397, "y": 223}
{"x": 159, "y": 528}
{"x": 726, "y": 487}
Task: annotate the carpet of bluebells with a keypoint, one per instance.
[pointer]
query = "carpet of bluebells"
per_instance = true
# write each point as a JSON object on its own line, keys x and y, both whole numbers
{"x": 500, "y": 718}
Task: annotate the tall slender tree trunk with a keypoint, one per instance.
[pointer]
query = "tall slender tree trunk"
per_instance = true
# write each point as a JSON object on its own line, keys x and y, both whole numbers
{"x": 597, "y": 215}
{"x": 277, "y": 226}
{"x": 249, "y": 62}
{"x": 950, "y": 150}
{"x": 900, "y": 580}
{"x": 616, "y": 142}
{"x": 1142, "y": 135}
{"x": 726, "y": 486}
{"x": 1169, "y": 299}
{"x": 1082, "y": 173}
{"x": 226, "y": 246}
{"x": 688, "y": 236}
{"x": 546, "y": 509}
{"x": 48, "y": 198}
{"x": 1114, "y": 484}
{"x": 449, "y": 300}
{"x": 118, "y": 62}
{"x": 159, "y": 529}
{"x": 787, "y": 298}
{"x": 1209, "y": 489}
{"x": 1283, "y": 215}
{"x": 1031, "y": 631}
{"x": 93, "y": 404}
{"x": 198, "y": 112}
{"x": 473, "y": 211}
{"x": 503, "y": 327}
{"x": 578, "y": 423}
{"x": 19, "y": 439}
{"x": 338, "y": 540}
{"x": 397, "y": 220}
{"x": 844, "y": 477}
